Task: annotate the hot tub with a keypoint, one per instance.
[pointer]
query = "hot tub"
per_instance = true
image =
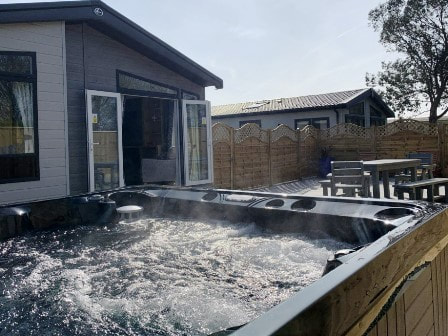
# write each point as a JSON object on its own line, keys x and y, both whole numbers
{"x": 199, "y": 261}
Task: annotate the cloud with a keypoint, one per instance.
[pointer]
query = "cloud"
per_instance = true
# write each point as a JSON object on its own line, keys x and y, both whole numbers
{"x": 250, "y": 33}
{"x": 348, "y": 31}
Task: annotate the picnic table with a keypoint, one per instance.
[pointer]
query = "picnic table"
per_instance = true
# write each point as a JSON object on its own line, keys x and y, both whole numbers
{"x": 386, "y": 166}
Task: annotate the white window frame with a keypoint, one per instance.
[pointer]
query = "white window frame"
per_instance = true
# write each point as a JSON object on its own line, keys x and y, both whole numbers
{"x": 89, "y": 94}
{"x": 210, "y": 179}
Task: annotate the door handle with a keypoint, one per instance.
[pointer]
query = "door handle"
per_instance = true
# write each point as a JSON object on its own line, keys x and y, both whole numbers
{"x": 96, "y": 143}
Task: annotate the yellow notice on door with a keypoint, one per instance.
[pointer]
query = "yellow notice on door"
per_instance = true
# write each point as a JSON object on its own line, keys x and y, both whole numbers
{"x": 94, "y": 118}
{"x": 204, "y": 121}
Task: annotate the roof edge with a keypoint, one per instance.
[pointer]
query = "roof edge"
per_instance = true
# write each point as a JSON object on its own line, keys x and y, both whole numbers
{"x": 303, "y": 109}
{"x": 355, "y": 98}
{"x": 83, "y": 11}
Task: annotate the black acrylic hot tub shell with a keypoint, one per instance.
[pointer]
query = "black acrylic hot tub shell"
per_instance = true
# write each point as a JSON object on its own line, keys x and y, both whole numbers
{"x": 354, "y": 221}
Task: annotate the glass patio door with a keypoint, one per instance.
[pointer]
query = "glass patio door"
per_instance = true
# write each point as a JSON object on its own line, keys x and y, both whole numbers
{"x": 197, "y": 135}
{"x": 104, "y": 120}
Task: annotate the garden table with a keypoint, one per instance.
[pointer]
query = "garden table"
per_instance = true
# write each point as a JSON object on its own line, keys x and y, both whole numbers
{"x": 386, "y": 166}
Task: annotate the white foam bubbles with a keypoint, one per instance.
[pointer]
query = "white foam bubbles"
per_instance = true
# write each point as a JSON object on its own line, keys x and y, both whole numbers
{"x": 165, "y": 277}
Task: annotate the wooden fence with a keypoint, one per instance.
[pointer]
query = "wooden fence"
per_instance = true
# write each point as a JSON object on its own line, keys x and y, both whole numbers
{"x": 392, "y": 141}
{"x": 250, "y": 156}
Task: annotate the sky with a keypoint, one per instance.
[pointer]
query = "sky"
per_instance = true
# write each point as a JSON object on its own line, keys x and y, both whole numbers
{"x": 266, "y": 49}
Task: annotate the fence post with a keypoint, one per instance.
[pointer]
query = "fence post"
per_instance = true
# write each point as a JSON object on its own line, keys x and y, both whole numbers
{"x": 442, "y": 147}
{"x": 299, "y": 169}
{"x": 377, "y": 140}
{"x": 232, "y": 158}
{"x": 269, "y": 156}
{"x": 374, "y": 134}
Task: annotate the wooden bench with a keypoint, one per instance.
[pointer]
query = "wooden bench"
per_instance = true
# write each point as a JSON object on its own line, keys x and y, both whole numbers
{"x": 414, "y": 189}
{"x": 326, "y": 185}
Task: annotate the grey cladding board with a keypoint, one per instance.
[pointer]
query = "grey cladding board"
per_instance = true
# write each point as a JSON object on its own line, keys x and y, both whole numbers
{"x": 47, "y": 41}
{"x": 76, "y": 110}
{"x": 92, "y": 62}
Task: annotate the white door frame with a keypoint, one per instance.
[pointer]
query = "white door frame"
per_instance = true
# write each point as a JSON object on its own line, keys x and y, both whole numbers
{"x": 209, "y": 141}
{"x": 89, "y": 94}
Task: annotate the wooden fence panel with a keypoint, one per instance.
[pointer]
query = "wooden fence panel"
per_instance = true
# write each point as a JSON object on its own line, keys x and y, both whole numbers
{"x": 284, "y": 154}
{"x": 348, "y": 142}
{"x": 251, "y": 163}
{"x": 222, "y": 155}
{"x": 397, "y": 139}
{"x": 222, "y": 163}
{"x": 284, "y": 161}
{"x": 309, "y": 151}
{"x": 107, "y": 148}
{"x": 250, "y": 156}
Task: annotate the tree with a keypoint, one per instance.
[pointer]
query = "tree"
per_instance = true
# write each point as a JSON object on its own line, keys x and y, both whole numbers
{"x": 418, "y": 31}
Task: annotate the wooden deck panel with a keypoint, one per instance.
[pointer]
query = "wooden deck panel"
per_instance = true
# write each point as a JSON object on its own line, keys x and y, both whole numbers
{"x": 421, "y": 306}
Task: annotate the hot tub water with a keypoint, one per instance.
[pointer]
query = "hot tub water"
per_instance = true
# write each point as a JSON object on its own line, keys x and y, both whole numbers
{"x": 154, "y": 277}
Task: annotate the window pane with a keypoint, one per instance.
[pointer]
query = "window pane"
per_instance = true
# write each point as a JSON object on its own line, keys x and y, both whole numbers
{"x": 18, "y": 167}
{"x": 357, "y": 109}
{"x": 105, "y": 142}
{"x": 16, "y": 118}
{"x": 355, "y": 120}
{"x": 197, "y": 149}
{"x": 375, "y": 121}
{"x": 132, "y": 83}
{"x": 302, "y": 123}
{"x": 374, "y": 112}
{"x": 16, "y": 64}
{"x": 320, "y": 124}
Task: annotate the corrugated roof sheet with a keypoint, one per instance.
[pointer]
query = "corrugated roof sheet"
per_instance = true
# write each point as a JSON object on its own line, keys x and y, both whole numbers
{"x": 325, "y": 100}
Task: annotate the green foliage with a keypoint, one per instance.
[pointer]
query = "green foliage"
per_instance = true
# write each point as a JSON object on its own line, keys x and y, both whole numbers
{"x": 418, "y": 31}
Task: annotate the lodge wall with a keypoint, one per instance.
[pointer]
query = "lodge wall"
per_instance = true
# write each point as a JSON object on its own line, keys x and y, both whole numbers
{"x": 92, "y": 61}
{"x": 46, "y": 39}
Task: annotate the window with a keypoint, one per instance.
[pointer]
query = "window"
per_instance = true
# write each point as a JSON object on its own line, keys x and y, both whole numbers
{"x": 244, "y": 122}
{"x": 301, "y": 123}
{"x": 376, "y": 117}
{"x": 356, "y": 120}
{"x": 131, "y": 84}
{"x": 319, "y": 123}
{"x": 356, "y": 115}
{"x": 19, "y": 159}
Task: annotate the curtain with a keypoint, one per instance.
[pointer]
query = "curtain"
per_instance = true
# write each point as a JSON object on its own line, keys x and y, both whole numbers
{"x": 194, "y": 129}
{"x": 23, "y": 97}
{"x": 169, "y": 132}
